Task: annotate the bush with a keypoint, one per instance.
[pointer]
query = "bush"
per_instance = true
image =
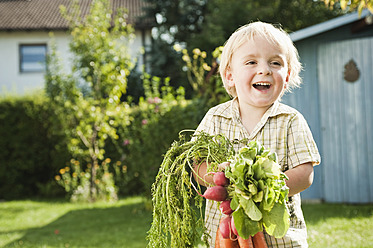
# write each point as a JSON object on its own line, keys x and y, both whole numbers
{"x": 148, "y": 139}
{"x": 30, "y": 156}
{"x": 155, "y": 123}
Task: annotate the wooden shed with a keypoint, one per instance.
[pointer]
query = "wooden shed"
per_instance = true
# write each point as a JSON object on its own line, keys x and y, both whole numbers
{"x": 336, "y": 98}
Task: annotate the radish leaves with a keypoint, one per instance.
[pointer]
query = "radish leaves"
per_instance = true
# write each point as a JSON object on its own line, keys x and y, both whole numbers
{"x": 258, "y": 191}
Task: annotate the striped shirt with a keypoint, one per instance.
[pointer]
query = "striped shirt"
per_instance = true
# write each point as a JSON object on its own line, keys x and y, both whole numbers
{"x": 283, "y": 130}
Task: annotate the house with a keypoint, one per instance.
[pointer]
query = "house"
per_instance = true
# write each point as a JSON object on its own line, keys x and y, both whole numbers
{"x": 24, "y": 38}
{"x": 336, "y": 98}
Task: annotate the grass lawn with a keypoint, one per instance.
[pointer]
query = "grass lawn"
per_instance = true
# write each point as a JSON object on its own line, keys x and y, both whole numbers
{"x": 339, "y": 225}
{"x": 61, "y": 224}
{"x": 125, "y": 223}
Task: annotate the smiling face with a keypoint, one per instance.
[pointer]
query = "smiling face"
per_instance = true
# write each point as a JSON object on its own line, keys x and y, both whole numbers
{"x": 259, "y": 72}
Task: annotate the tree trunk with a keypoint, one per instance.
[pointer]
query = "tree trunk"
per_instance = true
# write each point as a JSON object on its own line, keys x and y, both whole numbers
{"x": 93, "y": 186}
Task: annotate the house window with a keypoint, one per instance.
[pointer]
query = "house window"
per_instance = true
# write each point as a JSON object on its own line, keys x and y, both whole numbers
{"x": 32, "y": 57}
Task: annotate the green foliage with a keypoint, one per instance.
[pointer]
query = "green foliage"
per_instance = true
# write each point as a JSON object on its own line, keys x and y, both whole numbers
{"x": 222, "y": 18}
{"x": 203, "y": 76}
{"x": 352, "y": 4}
{"x": 77, "y": 181}
{"x": 30, "y": 154}
{"x": 258, "y": 191}
{"x": 155, "y": 124}
{"x": 177, "y": 19}
{"x": 33, "y": 152}
{"x": 208, "y": 24}
{"x": 166, "y": 62}
{"x": 88, "y": 99}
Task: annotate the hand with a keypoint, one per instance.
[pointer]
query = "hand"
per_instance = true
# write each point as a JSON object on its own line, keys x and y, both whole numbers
{"x": 222, "y": 166}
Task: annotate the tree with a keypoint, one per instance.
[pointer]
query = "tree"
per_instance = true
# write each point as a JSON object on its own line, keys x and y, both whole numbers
{"x": 223, "y": 17}
{"x": 207, "y": 24}
{"x": 177, "y": 19}
{"x": 87, "y": 101}
{"x": 166, "y": 62}
{"x": 352, "y": 4}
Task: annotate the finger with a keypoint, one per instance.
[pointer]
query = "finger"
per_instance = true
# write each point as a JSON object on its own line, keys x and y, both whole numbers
{"x": 223, "y": 165}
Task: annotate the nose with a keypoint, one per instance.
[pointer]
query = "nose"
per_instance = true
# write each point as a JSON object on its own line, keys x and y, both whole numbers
{"x": 264, "y": 69}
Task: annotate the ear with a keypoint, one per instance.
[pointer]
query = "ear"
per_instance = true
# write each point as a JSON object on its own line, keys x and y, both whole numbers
{"x": 288, "y": 76}
{"x": 228, "y": 76}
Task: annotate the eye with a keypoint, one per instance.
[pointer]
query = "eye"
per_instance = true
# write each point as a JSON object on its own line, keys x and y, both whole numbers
{"x": 276, "y": 63}
{"x": 250, "y": 62}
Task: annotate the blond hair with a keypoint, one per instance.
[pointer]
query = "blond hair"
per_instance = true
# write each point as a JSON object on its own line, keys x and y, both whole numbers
{"x": 272, "y": 34}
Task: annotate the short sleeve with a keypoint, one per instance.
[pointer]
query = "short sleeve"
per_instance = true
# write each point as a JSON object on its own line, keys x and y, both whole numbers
{"x": 302, "y": 147}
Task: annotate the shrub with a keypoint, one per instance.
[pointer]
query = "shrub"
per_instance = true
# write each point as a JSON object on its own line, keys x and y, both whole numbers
{"x": 30, "y": 155}
{"x": 156, "y": 123}
{"x": 76, "y": 182}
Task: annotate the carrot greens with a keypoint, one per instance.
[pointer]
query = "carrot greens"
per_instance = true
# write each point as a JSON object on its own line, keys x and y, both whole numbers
{"x": 177, "y": 207}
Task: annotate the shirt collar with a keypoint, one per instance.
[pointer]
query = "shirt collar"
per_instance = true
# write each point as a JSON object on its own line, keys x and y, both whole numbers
{"x": 276, "y": 109}
{"x": 231, "y": 110}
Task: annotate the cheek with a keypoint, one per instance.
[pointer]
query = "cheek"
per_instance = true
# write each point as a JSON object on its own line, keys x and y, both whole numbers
{"x": 283, "y": 75}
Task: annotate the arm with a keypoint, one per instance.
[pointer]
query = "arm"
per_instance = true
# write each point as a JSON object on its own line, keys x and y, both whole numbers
{"x": 300, "y": 178}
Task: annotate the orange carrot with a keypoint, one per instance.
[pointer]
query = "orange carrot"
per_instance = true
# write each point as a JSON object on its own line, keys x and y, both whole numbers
{"x": 229, "y": 243}
{"x": 259, "y": 240}
{"x": 217, "y": 238}
{"x": 245, "y": 243}
{"x": 221, "y": 242}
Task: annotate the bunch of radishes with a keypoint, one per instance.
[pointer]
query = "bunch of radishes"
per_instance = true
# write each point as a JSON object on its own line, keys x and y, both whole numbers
{"x": 252, "y": 190}
{"x": 220, "y": 193}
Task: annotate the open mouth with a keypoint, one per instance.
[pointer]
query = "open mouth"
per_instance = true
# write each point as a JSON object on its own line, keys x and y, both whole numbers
{"x": 262, "y": 86}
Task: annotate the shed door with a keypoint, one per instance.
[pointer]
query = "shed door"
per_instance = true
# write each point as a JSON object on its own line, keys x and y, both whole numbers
{"x": 346, "y": 120}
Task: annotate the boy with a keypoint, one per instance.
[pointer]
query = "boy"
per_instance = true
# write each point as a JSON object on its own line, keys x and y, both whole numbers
{"x": 259, "y": 63}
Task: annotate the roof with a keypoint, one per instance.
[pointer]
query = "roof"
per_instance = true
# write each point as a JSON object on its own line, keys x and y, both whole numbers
{"x": 18, "y": 15}
{"x": 328, "y": 25}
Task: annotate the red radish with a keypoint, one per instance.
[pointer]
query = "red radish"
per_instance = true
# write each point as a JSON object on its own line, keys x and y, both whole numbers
{"x": 225, "y": 207}
{"x": 216, "y": 193}
{"x": 220, "y": 179}
{"x": 233, "y": 226}
{"x": 225, "y": 228}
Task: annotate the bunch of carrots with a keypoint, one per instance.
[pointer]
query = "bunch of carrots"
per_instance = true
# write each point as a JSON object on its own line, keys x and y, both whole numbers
{"x": 227, "y": 235}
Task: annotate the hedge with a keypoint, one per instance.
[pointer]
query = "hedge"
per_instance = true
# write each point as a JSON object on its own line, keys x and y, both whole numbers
{"x": 28, "y": 157}
{"x": 31, "y": 154}
{"x": 148, "y": 140}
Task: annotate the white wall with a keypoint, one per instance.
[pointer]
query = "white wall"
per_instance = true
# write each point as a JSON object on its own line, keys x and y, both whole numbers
{"x": 12, "y": 81}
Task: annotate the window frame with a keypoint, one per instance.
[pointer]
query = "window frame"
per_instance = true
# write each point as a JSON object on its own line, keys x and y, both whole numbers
{"x": 21, "y": 57}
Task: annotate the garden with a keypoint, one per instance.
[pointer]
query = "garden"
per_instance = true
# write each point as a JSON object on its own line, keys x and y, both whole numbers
{"x": 78, "y": 159}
